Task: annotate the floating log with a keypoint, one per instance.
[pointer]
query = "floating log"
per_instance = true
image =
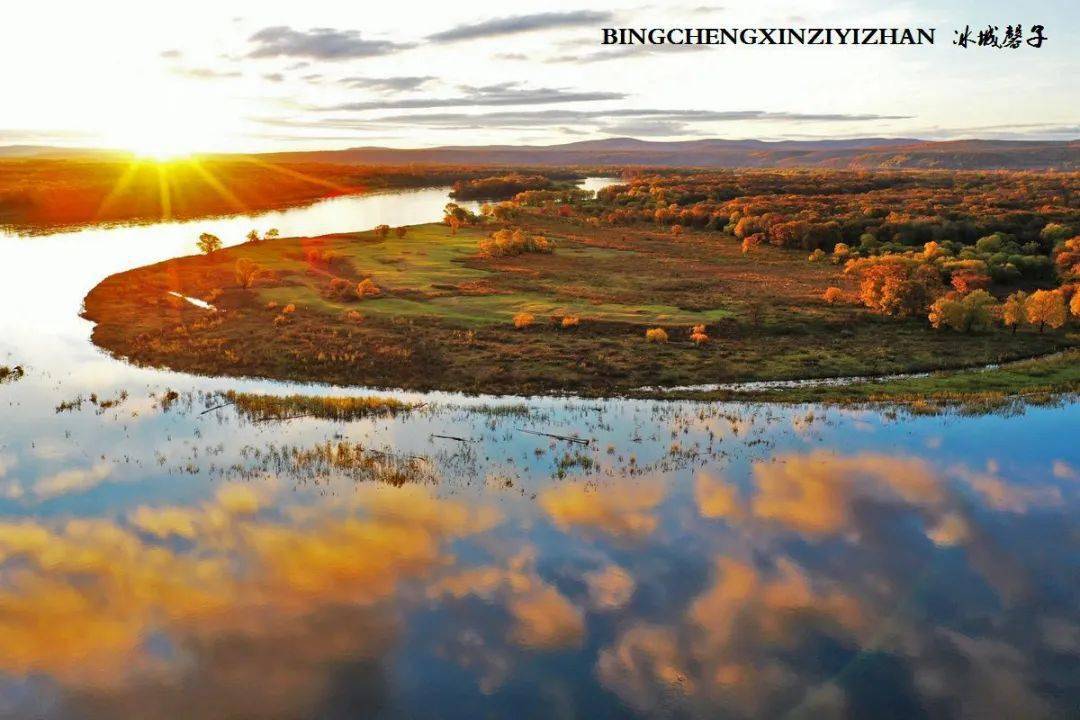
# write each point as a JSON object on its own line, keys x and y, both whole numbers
{"x": 567, "y": 438}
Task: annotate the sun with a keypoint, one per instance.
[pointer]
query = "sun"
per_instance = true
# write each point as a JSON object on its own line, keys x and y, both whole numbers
{"x": 165, "y": 131}
{"x": 162, "y": 142}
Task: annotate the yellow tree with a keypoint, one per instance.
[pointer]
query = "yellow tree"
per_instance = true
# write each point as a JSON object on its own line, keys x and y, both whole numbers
{"x": 1014, "y": 310}
{"x": 1046, "y": 308}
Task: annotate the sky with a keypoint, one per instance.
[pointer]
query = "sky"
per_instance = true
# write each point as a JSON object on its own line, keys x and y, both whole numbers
{"x": 228, "y": 75}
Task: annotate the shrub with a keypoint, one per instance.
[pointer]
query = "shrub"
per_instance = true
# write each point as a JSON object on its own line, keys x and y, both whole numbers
{"x": 342, "y": 289}
{"x": 246, "y": 271}
{"x": 367, "y": 288}
{"x": 281, "y": 319}
{"x": 508, "y": 243}
{"x": 288, "y": 309}
{"x": 698, "y": 336}
{"x": 1074, "y": 304}
{"x": 932, "y": 250}
{"x": 524, "y": 320}
{"x": 817, "y": 255}
{"x": 656, "y": 335}
{"x": 752, "y": 241}
{"x": 401, "y": 231}
{"x": 272, "y": 305}
{"x": 354, "y": 316}
{"x": 570, "y": 321}
{"x": 832, "y": 295}
{"x": 382, "y": 231}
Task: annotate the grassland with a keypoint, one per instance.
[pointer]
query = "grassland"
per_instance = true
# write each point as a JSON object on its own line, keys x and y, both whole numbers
{"x": 444, "y": 315}
{"x": 1035, "y": 380}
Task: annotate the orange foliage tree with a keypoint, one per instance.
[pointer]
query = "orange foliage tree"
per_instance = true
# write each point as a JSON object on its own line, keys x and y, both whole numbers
{"x": 1046, "y": 308}
{"x": 896, "y": 285}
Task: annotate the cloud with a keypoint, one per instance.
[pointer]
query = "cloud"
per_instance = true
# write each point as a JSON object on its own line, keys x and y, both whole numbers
{"x": 1064, "y": 471}
{"x": 520, "y": 24}
{"x": 716, "y": 498}
{"x": 1006, "y": 496}
{"x": 206, "y": 73}
{"x": 543, "y": 618}
{"x": 597, "y": 118}
{"x": 610, "y": 587}
{"x": 318, "y": 44}
{"x": 7, "y": 462}
{"x": 388, "y": 84}
{"x": 273, "y": 77}
{"x": 73, "y": 480}
{"x": 648, "y": 127}
{"x": 500, "y": 94}
{"x": 620, "y": 53}
{"x": 624, "y": 512}
{"x": 91, "y": 591}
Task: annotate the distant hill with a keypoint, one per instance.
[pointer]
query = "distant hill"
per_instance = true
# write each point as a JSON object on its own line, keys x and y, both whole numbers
{"x": 860, "y": 153}
{"x": 51, "y": 152}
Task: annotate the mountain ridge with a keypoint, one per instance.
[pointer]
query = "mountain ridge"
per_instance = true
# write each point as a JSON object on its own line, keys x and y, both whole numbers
{"x": 866, "y": 153}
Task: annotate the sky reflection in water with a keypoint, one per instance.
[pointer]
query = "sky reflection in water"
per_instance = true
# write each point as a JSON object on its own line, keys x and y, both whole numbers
{"x": 695, "y": 561}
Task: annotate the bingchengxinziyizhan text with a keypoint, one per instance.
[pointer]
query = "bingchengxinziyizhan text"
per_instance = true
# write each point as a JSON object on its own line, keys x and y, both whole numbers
{"x": 991, "y": 36}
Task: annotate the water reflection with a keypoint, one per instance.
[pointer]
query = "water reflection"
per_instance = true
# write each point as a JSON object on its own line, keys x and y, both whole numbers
{"x": 165, "y": 555}
{"x": 758, "y": 565}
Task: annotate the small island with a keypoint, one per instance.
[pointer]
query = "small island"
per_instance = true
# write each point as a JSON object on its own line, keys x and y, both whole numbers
{"x": 555, "y": 293}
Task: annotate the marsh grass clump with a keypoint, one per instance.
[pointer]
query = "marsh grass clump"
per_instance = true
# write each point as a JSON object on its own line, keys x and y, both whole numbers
{"x": 260, "y": 408}
{"x": 656, "y": 335}
{"x": 570, "y": 462}
{"x": 318, "y": 463}
{"x": 523, "y": 320}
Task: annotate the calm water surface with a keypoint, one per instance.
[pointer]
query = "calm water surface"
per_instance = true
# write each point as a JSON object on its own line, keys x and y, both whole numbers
{"x": 693, "y": 560}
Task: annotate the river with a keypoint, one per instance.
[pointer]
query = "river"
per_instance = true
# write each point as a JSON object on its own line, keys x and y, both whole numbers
{"x": 160, "y": 558}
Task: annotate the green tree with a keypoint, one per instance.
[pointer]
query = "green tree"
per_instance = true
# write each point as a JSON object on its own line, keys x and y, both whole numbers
{"x": 208, "y": 243}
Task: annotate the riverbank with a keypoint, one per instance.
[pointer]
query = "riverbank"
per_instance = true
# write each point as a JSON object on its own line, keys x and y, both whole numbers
{"x": 430, "y": 311}
{"x": 1033, "y": 380}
